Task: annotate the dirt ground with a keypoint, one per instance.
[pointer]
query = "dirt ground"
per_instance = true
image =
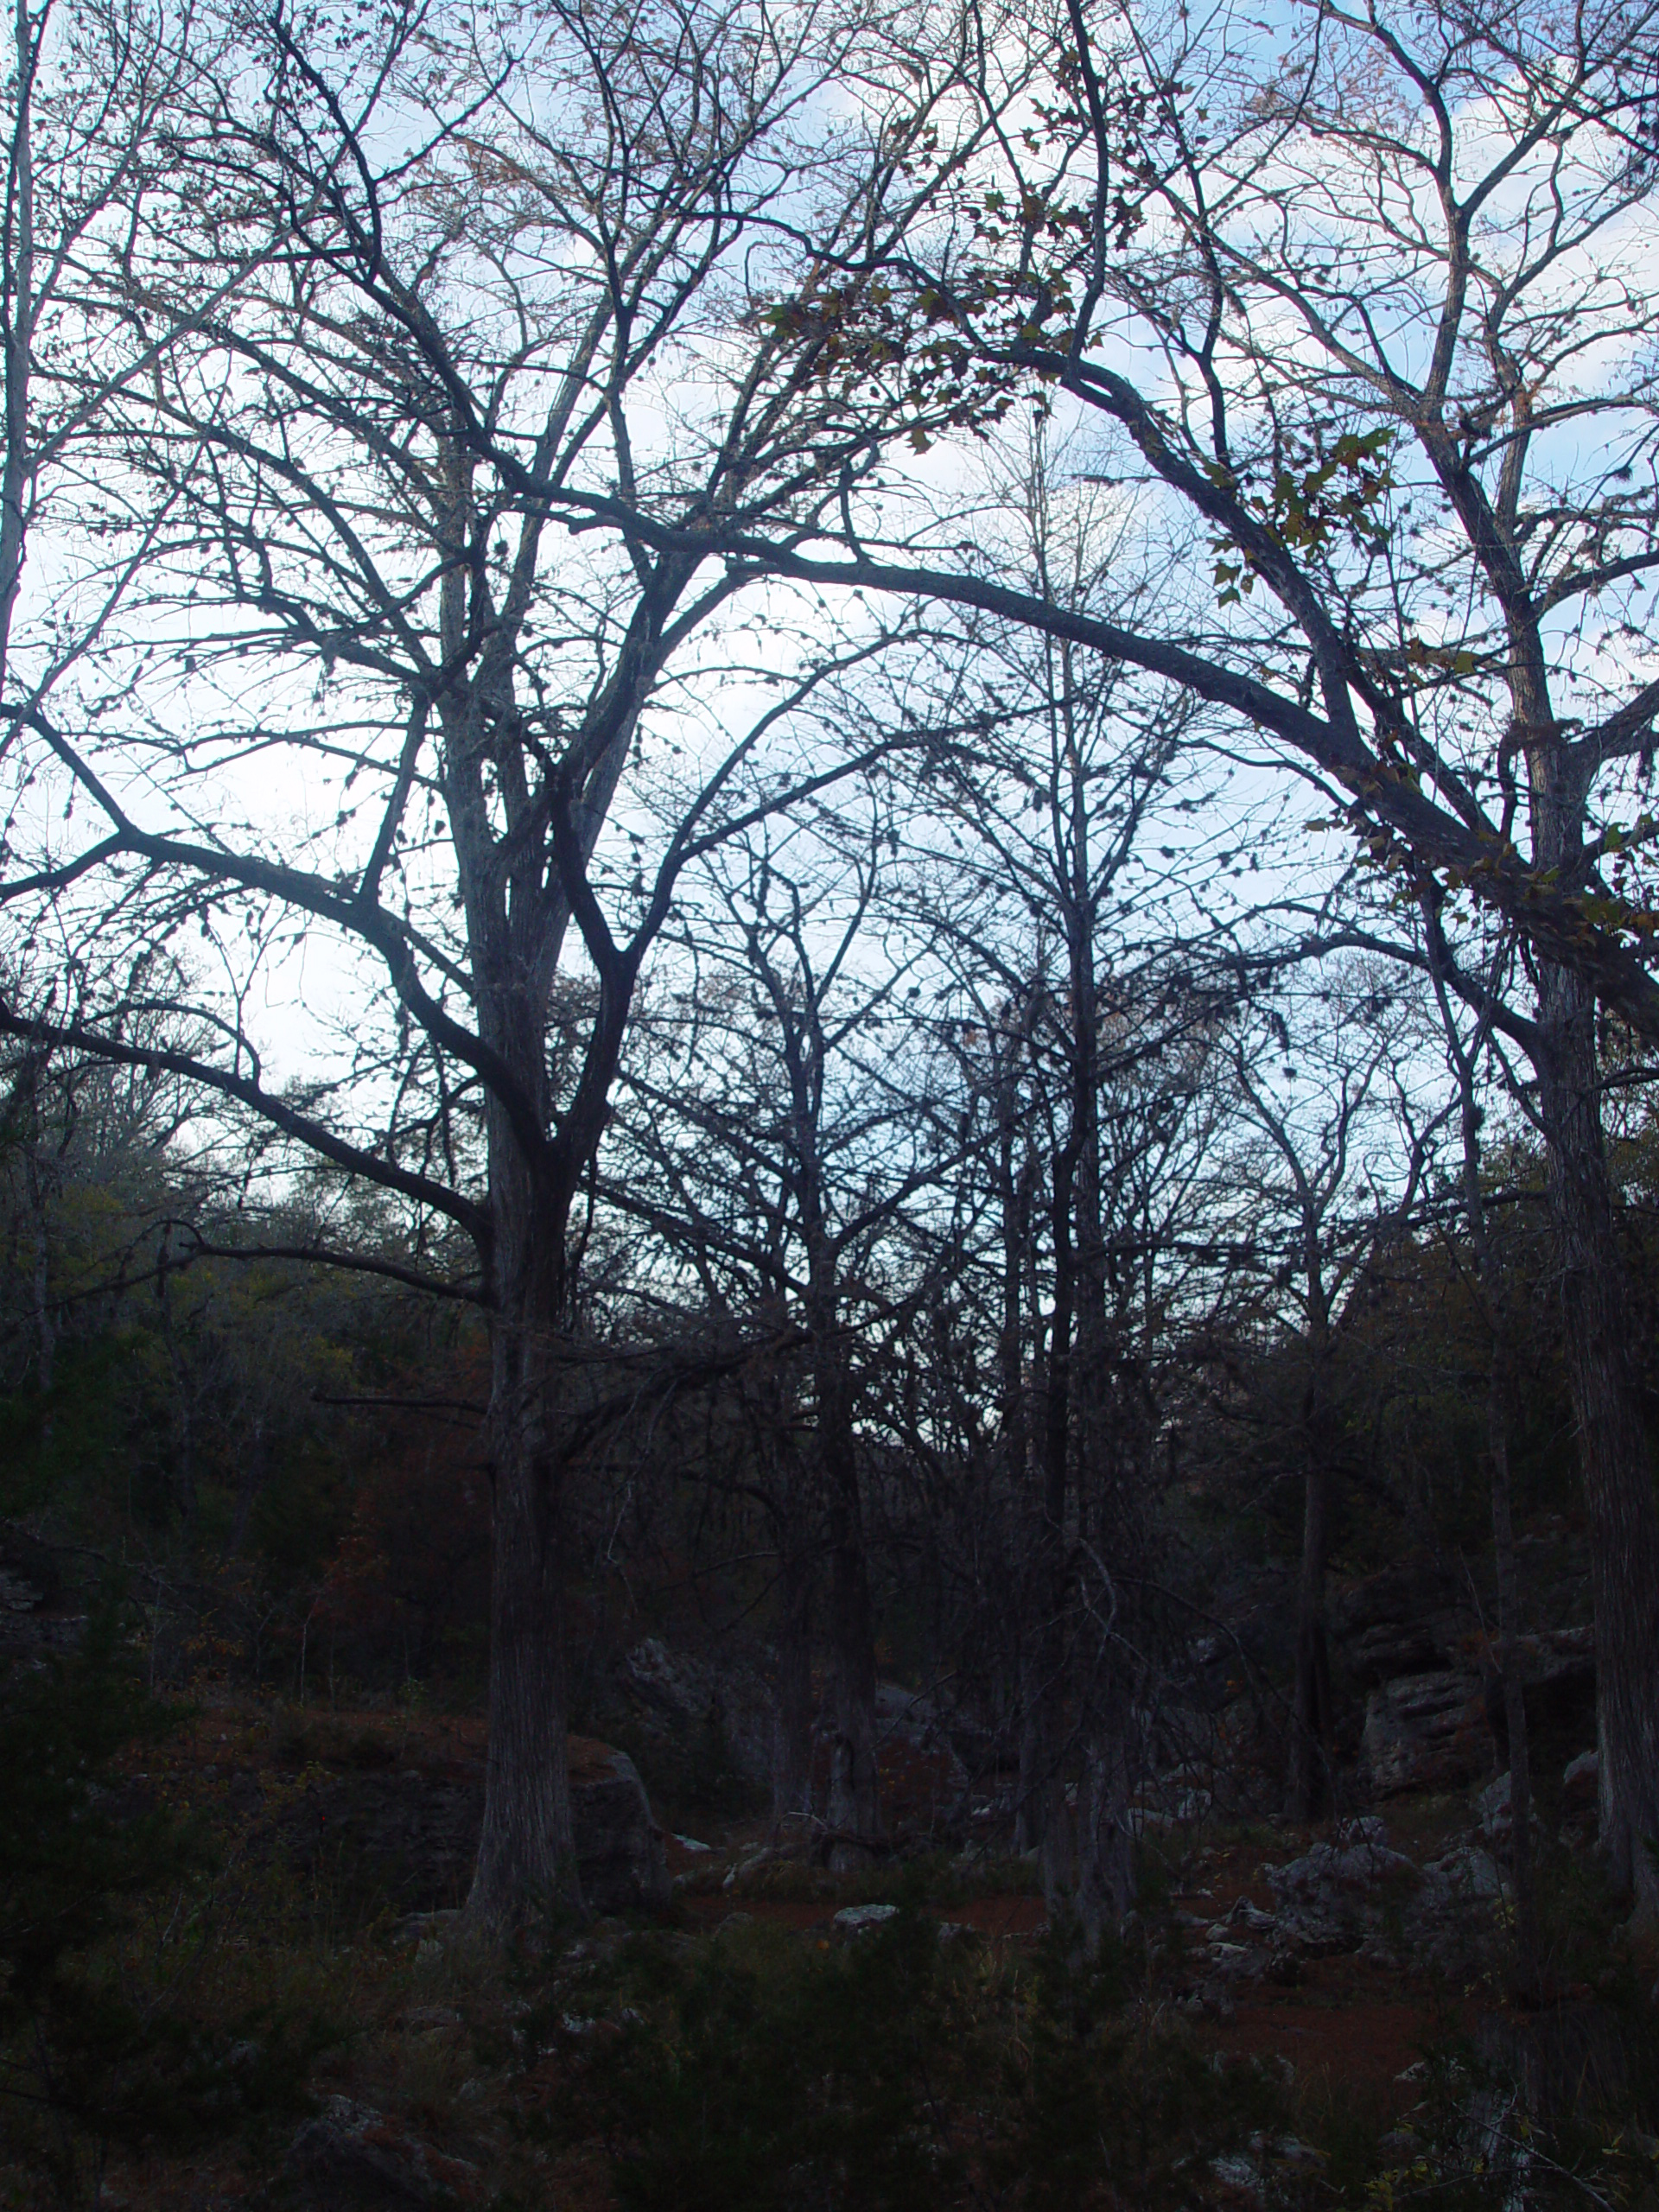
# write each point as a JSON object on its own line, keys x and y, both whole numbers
{"x": 1351, "y": 2029}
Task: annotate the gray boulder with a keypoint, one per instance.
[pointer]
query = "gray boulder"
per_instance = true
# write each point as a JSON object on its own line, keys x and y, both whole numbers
{"x": 1333, "y": 1895}
{"x": 619, "y": 1846}
{"x": 1495, "y": 1809}
{"x": 410, "y": 1837}
{"x": 1426, "y": 1731}
{"x": 675, "y": 1693}
{"x": 1581, "y": 1782}
{"x": 351, "y": 2159}
{"x": 858, "y": 1919}
{"x": 1558, "y": 1682}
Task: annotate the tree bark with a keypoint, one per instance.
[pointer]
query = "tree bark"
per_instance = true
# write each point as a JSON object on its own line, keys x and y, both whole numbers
{"x": 792, "y": 1715}
{"x": 854, "y": 1812}
{"x": 1105, "y": 1849}
{"x": 1058, "y": 1837}
{"x": 1613, "y": 1438}
{"x": 526, "y": 1852}
{"x": 1311, "y": 1714}
{"x": 1526, "y": 1977}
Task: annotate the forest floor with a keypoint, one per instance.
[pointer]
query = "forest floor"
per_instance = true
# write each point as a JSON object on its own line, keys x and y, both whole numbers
{"x": 423, "y": 2072}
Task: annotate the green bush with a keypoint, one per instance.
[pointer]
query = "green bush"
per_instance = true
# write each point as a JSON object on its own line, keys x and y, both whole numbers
{"x": 767, "y": 2070}
{"x": 92, "y": 2053}
{"x": 761, "y": 2074}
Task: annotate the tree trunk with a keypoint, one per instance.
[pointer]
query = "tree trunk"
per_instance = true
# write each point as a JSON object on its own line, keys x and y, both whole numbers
{"x": 1059, "y": 1857}
{"x": 1029, "y": 1606}
{"x": 1613, "y": 1438}
{"x": 1105, "y": 1849}
{"x": 792, "y": 1714}
{"x": 1526, "y": 1978}
{"x": 1030, "y": 1810}
{"x": 526, "y": 1854}
{"x": 1311, "y": 1715}
{"x": 45, "y": 1334}
{"x": 854, "y": 1812}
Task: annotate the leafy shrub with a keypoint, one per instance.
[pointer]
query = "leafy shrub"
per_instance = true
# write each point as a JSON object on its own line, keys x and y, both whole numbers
{"x": 762, "y": 2075}
{"x": 767, "y": 2070}
{"x": 91, "y": 2054}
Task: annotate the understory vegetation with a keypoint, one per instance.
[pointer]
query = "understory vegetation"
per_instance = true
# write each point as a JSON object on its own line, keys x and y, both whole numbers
{"x": 181, "y": 2004}
{"x": 828, "y": 1170}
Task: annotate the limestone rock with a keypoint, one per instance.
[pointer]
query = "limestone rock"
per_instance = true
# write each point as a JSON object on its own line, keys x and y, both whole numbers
{"x": 40, "y": 1612}
{"x": 351, "y": 2159}
{"x": 1465, "y": 1876}
{"x": 619, "y": 1846}
{"x": 1426, "y": 1731}
{"x": 855, "y": 1919}
{"x": 1581, "y": 1782}
{"x": 1558, "y": 1682}
{"x": 1401, "y": 1621}
{"x": 1493, "y": 1806}
{"x": 409, "y": 1836}
{"x": 677, "y": 1693}
{"x": 1334, "y": 1893}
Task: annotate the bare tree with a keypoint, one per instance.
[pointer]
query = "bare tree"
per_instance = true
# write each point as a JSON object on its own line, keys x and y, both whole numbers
{"x": 1465, "y": 1051}
{"x": 1332, "y": 1179}
{"x": 1387, "y": 295}
{"x": 358, "y": 702}
{"x": 786, "y": 1137}
{"x": 1098, "y": 980}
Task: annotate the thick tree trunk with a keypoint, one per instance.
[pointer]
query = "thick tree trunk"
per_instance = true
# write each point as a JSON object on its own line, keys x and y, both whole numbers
{"x": 1613, "y": 1438}
{"x": 854, "y": 1812}
{"x": 526, "y": 1854}
{"x": 1311, "y": 1714}
{"x": 1105, "y": 1849}
{"x": 792, "y": 1707}
{"x": 1526, "y": 1976}
{"x": 1056, "y": 1653}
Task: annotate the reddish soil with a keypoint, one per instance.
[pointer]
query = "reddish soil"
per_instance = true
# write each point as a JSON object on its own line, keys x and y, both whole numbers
{"x": 1002, "y": 1915}
{"x": 1357, "y": 2027}
{"x": 1352, "y": 2041}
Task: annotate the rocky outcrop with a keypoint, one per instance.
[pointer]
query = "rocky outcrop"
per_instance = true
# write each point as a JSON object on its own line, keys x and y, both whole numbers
{"x": 408, "y": 1838}
{"x": 679, "y": 1697}
{"x": 619, "y": 1846}
{"x": 351, "y": 2159}
{"x": 1558, "y": 1680}
{"x": 1325, "y": 1897}
{"x": 1414, "y": 1640}
{"x": 40, "y": 1612}
{"x": 1426, "y": 1732}
{"x": 1494, "y": 1809}
{"x": 1355, "y": 1893}
{"x": 1404, "y": 1621}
